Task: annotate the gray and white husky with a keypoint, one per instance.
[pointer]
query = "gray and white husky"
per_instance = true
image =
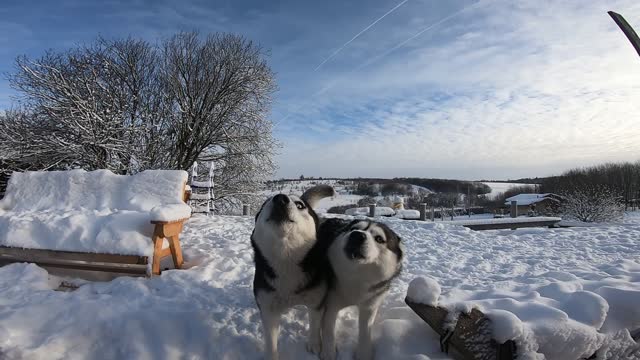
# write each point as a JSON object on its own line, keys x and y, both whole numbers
{"x": 363, "y": 257}
{"x": 286, "y": 229}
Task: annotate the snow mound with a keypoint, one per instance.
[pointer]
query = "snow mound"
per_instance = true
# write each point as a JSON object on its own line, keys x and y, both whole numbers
{"x": 364, "y": 211}
{"x": 170, "y": 212}
{"x": 569, "y": 317}
{"x": 95, "y": 211}
{"x": 424, "y": 290}
{"x": 95, "y": 190}
{"x": 408, "y": 214}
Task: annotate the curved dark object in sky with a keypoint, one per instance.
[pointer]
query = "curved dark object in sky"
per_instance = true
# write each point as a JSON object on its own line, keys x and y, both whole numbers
{"x": 626, "y": 29}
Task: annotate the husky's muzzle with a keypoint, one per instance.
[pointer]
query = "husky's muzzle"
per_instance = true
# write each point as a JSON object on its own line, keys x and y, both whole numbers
{"x": 355, "y": 244}
{"x": 280, "y": 208}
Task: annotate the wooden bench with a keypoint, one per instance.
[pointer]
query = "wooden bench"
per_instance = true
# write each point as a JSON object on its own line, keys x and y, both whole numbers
{"x": 155, "y": 198}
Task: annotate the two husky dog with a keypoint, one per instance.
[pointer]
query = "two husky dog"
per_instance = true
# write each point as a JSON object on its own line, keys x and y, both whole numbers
{"x": 326, "y": 266}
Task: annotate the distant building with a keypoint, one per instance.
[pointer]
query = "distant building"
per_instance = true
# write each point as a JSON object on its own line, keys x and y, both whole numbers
{"x": 537, "y": 203}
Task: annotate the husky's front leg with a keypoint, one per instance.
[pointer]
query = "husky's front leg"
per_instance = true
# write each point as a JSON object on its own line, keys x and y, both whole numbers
{"x": 366, "y": 318}
{"x": 314, "y": 343}
{"x": 271, "y": 330}
{"x": 329, "y": 332}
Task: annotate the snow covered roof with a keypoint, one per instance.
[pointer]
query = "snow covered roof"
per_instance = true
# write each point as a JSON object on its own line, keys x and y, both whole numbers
{"x": 527, "y": 199}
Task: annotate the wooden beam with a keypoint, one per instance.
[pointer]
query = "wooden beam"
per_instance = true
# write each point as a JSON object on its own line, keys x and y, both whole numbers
{"x": 626, "y": 29}
{"x": 513, "y": 225}
{"x": 72, "y": 255}
{"x": 77, "y": 264}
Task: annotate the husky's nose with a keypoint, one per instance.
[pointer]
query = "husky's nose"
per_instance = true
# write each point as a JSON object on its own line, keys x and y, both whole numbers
{"x": 281, "y": 199}
{"x": 353, "y": 249}
{"x": 357, "y": 238}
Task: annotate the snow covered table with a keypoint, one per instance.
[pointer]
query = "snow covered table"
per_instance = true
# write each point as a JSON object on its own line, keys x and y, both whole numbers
{"x": 93, "y": 220}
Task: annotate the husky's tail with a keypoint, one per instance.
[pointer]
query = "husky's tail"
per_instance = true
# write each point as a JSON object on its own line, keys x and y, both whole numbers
{"x": 317, "y": 193}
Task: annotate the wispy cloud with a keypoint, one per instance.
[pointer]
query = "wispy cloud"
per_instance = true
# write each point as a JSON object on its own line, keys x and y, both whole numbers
{"x": 462, "y": 88}
{"x": 518, "y": 89}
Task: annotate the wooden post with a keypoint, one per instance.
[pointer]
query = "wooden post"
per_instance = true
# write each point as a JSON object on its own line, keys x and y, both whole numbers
{"x": 423, "y": 211}
{"x": 514, "y": 209}
{"x": 245, "y": 209}
{"x": 453, "y": 211}
{"x": 433, "y": 214}
{"x": 372, "y": 210}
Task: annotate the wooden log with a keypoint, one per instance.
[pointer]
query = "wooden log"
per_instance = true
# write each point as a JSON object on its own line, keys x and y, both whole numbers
{"x": 471, "y": 339}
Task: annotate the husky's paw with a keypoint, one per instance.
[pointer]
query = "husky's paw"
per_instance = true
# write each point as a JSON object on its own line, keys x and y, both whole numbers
{"x": 314, "y": 346}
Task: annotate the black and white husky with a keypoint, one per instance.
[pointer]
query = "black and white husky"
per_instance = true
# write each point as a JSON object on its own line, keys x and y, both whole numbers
{"x": 364, "y": 257}
{"x": 285, "y": 231}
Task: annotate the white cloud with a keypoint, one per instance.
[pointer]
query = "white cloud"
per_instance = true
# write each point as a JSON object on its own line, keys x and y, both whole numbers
{"x": 509, "y": 89}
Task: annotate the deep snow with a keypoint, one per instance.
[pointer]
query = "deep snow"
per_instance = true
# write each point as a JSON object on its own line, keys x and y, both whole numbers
{"x": 207, "y": 311}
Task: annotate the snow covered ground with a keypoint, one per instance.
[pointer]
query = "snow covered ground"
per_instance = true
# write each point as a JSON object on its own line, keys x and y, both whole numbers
{"x": 207, "y": 310}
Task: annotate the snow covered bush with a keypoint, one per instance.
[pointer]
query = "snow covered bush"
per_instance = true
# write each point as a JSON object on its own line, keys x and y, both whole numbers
{"x": 592, "y": 204}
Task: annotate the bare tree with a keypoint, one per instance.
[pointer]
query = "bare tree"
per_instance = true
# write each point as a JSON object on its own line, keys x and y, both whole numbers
{"x": 220, "y": 89}
{"x": 127, "y": 105}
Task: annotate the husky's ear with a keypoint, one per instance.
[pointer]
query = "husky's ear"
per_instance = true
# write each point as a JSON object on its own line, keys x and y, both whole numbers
{"x": 316, "y": 193}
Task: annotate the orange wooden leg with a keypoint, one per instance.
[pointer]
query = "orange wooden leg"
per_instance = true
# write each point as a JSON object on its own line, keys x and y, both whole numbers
{"x": 176, "y": 252}
{"x": 157, "y": 253}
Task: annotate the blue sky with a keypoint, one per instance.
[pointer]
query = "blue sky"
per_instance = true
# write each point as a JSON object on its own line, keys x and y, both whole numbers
{"x": 501, "y": 89}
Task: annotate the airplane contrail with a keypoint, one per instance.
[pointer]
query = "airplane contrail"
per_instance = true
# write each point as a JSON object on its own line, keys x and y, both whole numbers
{"x": 376, "y": 58}
{"x": 358, "y": 35}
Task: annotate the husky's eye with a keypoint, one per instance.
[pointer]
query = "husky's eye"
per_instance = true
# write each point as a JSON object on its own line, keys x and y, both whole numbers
{"x": 379, "y": 239}
{"x": 300, "y": 205}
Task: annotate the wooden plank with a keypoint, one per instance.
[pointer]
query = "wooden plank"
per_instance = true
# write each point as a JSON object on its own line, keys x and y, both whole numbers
{"x": 513, "y": 225}
{"x": 72, "y": 255}
{"x": 165, "y": 252}
{"x": 167, "y": 222}
{"x": 78, "y": 265}
{"x": 471, "y": 338}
